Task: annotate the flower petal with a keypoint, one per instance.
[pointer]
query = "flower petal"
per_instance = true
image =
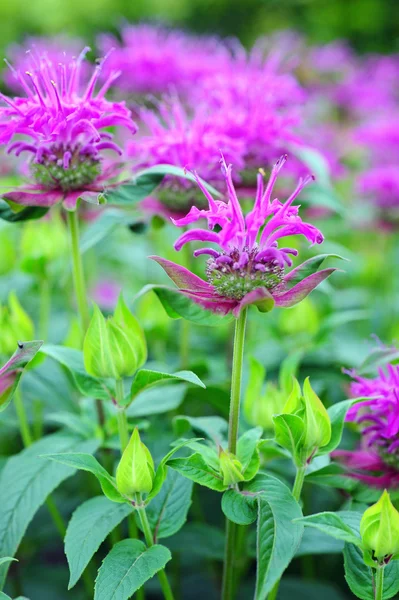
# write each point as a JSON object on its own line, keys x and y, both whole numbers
{"x": 24, "y": 198}
{"x": 302, "y": 289}
{"x": 182, "y": 277}
{"x": 260, "y": 297}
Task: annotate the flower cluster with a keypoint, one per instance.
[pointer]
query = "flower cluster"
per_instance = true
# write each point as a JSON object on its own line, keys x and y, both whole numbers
{"x": 248, "y": 267}
{"x": 63, "y": 125}
{"x": 377, "y": 461}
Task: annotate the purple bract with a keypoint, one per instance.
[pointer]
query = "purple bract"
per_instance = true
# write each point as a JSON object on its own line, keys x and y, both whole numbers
{"x": 65, "y": 124}
{"x": 248, "y": 267}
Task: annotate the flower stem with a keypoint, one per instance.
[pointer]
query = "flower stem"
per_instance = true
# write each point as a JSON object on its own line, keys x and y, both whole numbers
{"x": 163, "y": 580}
{"x": 122, "y": 420}
{"x": 296, "y": 492}
{"x": 78, "y": 274}
{"x": 379, "y": 583}
{"x": 234, "y": 418}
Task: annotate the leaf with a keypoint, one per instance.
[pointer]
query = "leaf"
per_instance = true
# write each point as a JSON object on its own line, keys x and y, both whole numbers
{"x": 278, "y": 536}
{"x": 72, "y": 360}
{"x": 316, "y": 542}
{"x": 25, "y": 483}
{"x": 337, "y": 413}
{"x": 4, "y": 596}
{"x": 215, "y": 428}
{"x": 332, "y": 524}
{"x": 104, "y": 225}
{"x": 289, "y": 431}
{"x": 146, "y": 379}
{"x": 310, "y": 266}
{"x": 198, "y": 539}
{"x": 26, "y": 214}
{"x": 378, "y": 358}
{"x": 332, "y": 475}
{"x": 247, "y": 446}
{"x": 240, "y": 507}
{"x": 12, "y": 371}
{"x": 178, "y": 306}
{"x": 195, "y": 468}
{"x": 90, "y": 524}
{"x": 360, "y": 577}
{"x": 87, "y": 462}
{"x": 7, "y": 559}
{"x": 167, "y": 512}
{"x": 157, "y": 401}
{"x": 127, "y": 567}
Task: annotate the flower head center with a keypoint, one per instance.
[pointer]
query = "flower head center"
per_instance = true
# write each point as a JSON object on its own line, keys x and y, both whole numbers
{"x": 66, "y": 167}
{"x": 236, "y": 273}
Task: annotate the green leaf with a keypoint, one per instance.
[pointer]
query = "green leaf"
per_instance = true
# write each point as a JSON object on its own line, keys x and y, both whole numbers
{"x": 157, "y": 400}
{"x": 289, "y": 432}
{"x": 146, "y": 379}
{"x": 214, "y": 428}
{"x": 25, "y": 214}
{"x": 337, "y": 413}
{"x": 167, "y": 512}
{"x": 247, "y": 446}
{"x": 278, "y": 536}
{"x": 240, "y": 507}
{"x": 4, "y": 596}
{"x": 360, "y": 577}
{"x": 106, "y": 222}
{"x": 90, "y": 524}
{"x": 195, "y": 468}
{"x": 378, "y": 358}
{"x": 14, "y": 368}
{"x": 7, "y": 559}
{"x": 332, "y": 524}
{"x": 72, "y": 360}
{"x": 316, "y": 542}
{"x": 332, "y": 475}
{"x": 127, "y": 567}
{"x": 178, "y": 306}
{"x": 87, "y": 462}
{"x": 25, "y": 483}
{"x": 198, "y": 539}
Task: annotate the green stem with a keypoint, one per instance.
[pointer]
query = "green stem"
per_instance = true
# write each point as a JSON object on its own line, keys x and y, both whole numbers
{"x": 379, "y": 583}
{"x": 296, "y": 492}
{"x": 77, "y": 267}
{"x": 121, "y": 415}
{"x": 44, "y": 310}
{"x": 163, "y": 580}
{"x": 234, "y": 419}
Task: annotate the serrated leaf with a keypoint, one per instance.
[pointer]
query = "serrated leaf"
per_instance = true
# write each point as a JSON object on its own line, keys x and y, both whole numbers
{"x": 146, "y": 379}
{"x": 195, "y": 468}
{"x": 90, "y": 524}
{"x": 167, "y": 512}
{"x": 25, "y": 483}
{"x": 332, "y": 524}
{"x": 360, "y": 577}
{"x": 72, "y": 360}
{"x": 278, "y": 536}
{"x": 127, "y": 567}
{"x": 240, "y": 507}
{"x": 178, "y": 306}
{"x": 87, "y": 462}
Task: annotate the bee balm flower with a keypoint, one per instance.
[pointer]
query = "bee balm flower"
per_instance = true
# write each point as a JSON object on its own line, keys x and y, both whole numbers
{"x": 62, "y": 125}
{"x": 248, "y": 266}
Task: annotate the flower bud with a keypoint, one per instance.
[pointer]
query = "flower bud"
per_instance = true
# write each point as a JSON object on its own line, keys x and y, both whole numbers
{"x": 15, "y": 324}
{"x": 135, "y": 473}
{"x": 379, "y": 529}
{"x": 230, "y": 468}
{"x": 114, "y": 347}
{"x": 314, "y": 416}
{"x": 260, "y": 405}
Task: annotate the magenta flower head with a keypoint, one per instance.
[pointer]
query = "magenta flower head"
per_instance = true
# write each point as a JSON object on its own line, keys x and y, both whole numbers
{"x": 63, "y": 126}
{"x": 377, "y": 461}
{"x": 183, "y": 139}
{"x": 247, "y": 266}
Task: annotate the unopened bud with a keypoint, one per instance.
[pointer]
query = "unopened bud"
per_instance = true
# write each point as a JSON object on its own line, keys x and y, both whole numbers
{"x": 379, "y": 529}
{"x": 135, "y": 473}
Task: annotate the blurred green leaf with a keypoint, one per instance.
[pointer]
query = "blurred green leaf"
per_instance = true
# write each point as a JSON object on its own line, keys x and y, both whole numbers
{"x": 145, "y": 379}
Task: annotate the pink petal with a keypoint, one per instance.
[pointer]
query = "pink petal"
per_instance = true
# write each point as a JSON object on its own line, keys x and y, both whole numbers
{"x": 259, "y": 297}
{"x": 302, "y": 289}
{"x": 44, "y": 198}
{"x": 182, "y": 277}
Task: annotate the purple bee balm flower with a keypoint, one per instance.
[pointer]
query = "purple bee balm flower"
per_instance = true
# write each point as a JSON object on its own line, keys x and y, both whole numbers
{"x": 66, "y": 129}
{"x": 381, "y": 186}
{"x": 248, "y": 267}
{"x": 184, "y": 140}
{"x": 377, "y": 461}
{"x": 154, "y": 59}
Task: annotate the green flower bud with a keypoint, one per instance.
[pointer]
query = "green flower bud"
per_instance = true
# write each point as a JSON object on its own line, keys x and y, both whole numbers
{"x": 379, "y": 529}
{"x": 114, "y": 347}
{"x": 15, "y": 324}
{"x": 261, "y": 405}
{"x": 230, "y": 468}
{"x": 135, "y": 473}
{"x": 314, "y": 416}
